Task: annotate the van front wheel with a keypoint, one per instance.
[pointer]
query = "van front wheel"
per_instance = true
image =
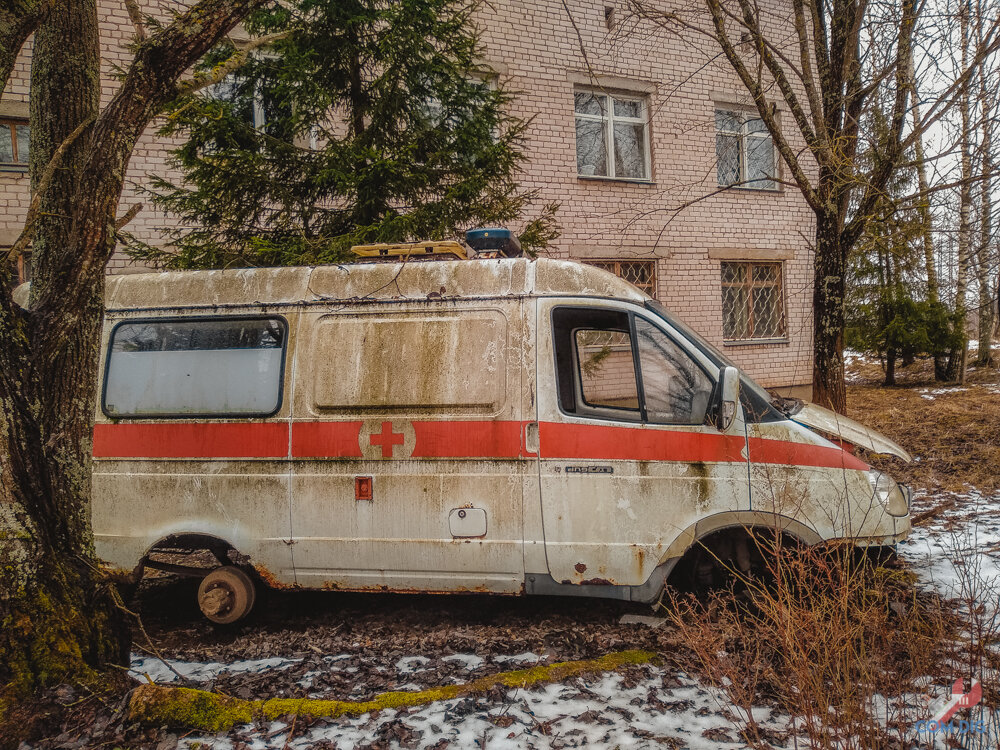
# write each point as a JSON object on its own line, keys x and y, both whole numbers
{"x": 226, "y": 595}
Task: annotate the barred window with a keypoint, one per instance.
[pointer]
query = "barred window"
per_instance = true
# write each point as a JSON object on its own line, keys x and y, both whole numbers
{"x": 612, "y": 137}
{"x": 744, "y": 151}
{"x": 638, "y": 273}
{"x": 753, "y": 304}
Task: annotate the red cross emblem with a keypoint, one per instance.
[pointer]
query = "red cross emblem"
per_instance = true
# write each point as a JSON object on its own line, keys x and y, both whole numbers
{"x": 386, "y": 439}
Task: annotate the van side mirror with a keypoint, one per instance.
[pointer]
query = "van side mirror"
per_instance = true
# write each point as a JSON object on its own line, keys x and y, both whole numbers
{"x": 729, "y": 397}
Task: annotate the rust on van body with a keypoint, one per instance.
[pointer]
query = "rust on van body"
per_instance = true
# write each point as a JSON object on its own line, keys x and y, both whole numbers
{"x": 272, "y": 581}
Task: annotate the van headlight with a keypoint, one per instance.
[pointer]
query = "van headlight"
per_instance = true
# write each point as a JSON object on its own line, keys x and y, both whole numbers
{"x": 894, "y": 499}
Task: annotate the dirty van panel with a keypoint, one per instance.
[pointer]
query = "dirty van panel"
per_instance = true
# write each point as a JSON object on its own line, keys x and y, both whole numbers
{"x": 410, "y": 362}
{"x": 628, "y": 459}
{"x": 159, "y": 471}
{"x": 422, "y": 281}
{"x": 798, "y": 474}
{"x": 244, "y": 504}
{"x": 419, "y": 403}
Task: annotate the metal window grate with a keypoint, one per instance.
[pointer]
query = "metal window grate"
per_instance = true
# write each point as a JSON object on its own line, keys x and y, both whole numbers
{"x": 752, "y": 301}
{"x": 639, "y": 273}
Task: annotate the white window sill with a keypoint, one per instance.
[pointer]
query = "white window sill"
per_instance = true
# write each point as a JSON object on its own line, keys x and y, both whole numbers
{"x": 755, "y": 342}
{"x": 752, "y": 189}
{"x": 15, "y": 168}
{"x": 602, "y": 178}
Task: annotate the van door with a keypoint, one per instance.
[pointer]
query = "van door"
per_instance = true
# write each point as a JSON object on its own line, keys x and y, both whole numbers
{"x": 406, "y": 448}
{"x": 628, "y": 460}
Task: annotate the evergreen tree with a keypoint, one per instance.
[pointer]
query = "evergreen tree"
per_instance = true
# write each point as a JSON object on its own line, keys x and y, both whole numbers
{"x": 891, "y": 311}
{"x": 370, "y": 121}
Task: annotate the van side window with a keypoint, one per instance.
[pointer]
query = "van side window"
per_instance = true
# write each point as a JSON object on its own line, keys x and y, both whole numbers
{"x": 676, "y": 390}
{"x": 607, "y": 371}
{"x": 608, "y": 365}
{"x": 187, "y": 367}
{"x": 595, "y": 365}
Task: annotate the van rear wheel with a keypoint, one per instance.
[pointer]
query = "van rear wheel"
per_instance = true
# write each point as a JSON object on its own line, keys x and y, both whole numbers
{"x": 226, "y": 595}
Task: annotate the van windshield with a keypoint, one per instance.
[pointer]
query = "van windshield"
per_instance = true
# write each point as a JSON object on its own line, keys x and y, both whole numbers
{"x": 756, "y": 397}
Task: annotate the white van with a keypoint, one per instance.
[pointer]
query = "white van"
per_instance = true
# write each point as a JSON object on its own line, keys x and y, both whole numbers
{"x": 509, "y": 426}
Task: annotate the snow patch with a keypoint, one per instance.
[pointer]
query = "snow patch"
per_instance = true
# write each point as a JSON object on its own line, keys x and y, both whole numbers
{"x": 199, "y": 671}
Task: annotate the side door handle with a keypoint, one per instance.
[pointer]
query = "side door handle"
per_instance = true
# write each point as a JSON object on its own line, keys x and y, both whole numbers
{"x": 530, "y": 438}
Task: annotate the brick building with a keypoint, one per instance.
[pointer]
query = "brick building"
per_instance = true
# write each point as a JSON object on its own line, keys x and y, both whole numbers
{"x": 633, "y": 138}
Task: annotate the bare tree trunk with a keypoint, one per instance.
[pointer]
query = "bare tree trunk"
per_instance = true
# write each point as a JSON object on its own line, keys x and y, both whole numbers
{"x": 985, "y": 260}
{"x": 62, "y": 627}
{"x": 924, "y": 203}
{"x": 958, "y": 356}
{"x": 829, "y": 269}
{"x": 924, "y": 209}
{"x": 59, "y": 614}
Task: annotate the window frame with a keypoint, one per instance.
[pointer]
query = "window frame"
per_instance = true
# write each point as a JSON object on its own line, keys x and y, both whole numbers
{"x": 743, "y": 136}
{"x": 750, "y": 286}
{"x": 608, "y": 120}
{"x": 12, "y": 123}
{"x": 651, "y": 262}
{"x": 258, "y": 113}
{"x": 282, "y": 321}
{"x": 610, "y": 413}
{"x": 586, "y": 408}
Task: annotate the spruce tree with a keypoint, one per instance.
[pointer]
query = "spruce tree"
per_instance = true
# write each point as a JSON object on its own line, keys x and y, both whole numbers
{"x": 369, "y": 121}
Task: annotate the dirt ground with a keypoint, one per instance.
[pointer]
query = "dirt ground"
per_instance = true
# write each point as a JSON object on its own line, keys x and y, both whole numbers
{"x": 953, "y": 432}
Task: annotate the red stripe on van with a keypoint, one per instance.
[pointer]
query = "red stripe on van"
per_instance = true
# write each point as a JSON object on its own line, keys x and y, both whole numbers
{"x": 191, "y": 440}
{"x": 326, "y": 439}
{"x": 493, "y": 439}
{"x": 453, "y": 439}
{"x": 763, "y": 451}
{"x": 637, "y": 444}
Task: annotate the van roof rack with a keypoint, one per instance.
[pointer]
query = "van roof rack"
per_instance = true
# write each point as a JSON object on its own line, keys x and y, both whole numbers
{"x": 412, "y": 250}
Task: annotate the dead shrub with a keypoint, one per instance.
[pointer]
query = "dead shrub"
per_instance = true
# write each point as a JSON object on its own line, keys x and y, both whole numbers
{"x": 823, "y": 635}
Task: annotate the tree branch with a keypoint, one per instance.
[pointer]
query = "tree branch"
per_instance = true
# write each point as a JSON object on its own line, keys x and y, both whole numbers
{"x": 764, "y": 108}
{"x": 122, "y": 221}
{"x": 230, "y": 65}
{"x": 31, "y": 218}
{"x": 151, "y": 82}
{"x": 135, "y": 16}
{"x": 18, "y": 19}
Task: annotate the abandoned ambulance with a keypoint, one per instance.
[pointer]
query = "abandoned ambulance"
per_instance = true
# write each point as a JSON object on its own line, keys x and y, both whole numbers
{"x": 507, "y": 425}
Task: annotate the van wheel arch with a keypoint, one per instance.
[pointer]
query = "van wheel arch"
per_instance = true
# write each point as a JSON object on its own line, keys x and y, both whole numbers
{"x": 215, "y": 552}
{"x": 726, "y": 552}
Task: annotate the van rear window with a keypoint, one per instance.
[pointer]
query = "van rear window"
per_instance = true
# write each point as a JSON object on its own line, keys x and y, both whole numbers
{"x": 195, "y": 367}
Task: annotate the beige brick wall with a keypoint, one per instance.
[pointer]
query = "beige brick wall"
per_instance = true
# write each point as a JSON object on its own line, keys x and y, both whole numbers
{"x": 534, "y": 47}
{"x": 677, "y": 219}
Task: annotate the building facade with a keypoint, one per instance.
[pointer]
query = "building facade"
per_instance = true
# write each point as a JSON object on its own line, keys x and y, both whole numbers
{"x": 646, "y": 141}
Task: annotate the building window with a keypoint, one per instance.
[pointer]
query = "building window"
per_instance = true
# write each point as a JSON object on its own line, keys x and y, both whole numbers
{"x": 268, "y": 111}
{"x": 744, "y": 151}
{"x": 612, "y": 136}
{"x": 638, "y": 273}
{"x": 14, "y": 139}
{"x": 753, "y": 305}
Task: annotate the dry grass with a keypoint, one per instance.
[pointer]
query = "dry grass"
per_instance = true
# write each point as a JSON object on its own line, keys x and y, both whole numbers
{"x": 822, "y": 640}
{"x": 955, "y": 435}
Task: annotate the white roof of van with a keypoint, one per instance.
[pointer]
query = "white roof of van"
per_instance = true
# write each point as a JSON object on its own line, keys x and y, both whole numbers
{"x": 416, "y": 280}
